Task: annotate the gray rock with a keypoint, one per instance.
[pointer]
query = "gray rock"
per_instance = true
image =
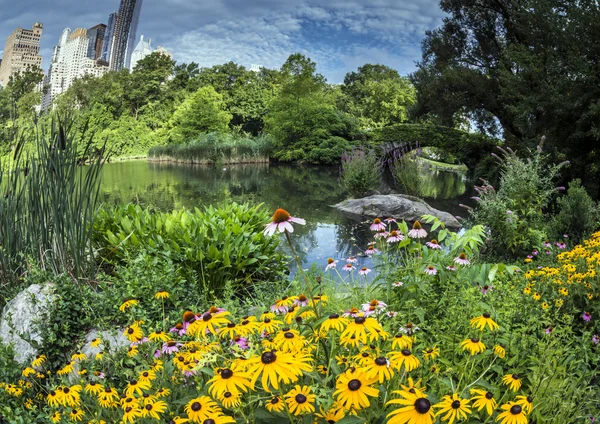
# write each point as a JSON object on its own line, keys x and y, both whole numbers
{"x": 399, "y": 206}
{"x": 112, "y": 340}
{"x": 23, "y": 317}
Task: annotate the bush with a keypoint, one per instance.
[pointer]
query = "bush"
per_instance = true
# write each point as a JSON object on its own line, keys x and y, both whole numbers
{"x": 577, "y": 214}
{"x": 215, "y": 247}
{"x": 407, "y": 172}
{"x": 360, "y": 172}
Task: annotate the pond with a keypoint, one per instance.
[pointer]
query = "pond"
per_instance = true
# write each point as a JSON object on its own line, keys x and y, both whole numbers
{"x": 305, "y": 191}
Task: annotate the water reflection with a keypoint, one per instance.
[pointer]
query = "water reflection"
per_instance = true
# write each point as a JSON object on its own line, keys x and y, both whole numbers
{"x": 305, "y": 191}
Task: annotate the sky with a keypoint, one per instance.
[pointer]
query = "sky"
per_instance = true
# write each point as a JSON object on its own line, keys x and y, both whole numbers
{"x": 339, "y": 35}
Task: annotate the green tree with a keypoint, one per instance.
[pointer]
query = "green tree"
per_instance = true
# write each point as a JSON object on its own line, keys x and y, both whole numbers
{"x": 147, "y": 82}
{"x": 203, "y": 111}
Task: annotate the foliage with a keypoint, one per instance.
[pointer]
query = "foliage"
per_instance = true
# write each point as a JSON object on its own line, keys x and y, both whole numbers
{"x": 508, "y": 67}
{"x": 514, "y": 213}
{"x": 49, "y": 205}
{"x": 202, "y": 112}
{"x": 360, "y": 172}
{"x": 214, "y": 148}
{"x": 215, "y": 247}
{"x": 407, "y": 171}
{"x": 577, "y": 214}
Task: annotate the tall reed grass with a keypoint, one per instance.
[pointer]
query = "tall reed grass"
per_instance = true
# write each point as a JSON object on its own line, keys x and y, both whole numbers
{"x": 49, "y": 203}
{"x": 360, "y": 171}
{"x": 214, "y": 148}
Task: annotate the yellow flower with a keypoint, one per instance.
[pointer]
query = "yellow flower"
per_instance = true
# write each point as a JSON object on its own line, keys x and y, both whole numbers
{"x": 275, "y": 404}
{"x": 484, "y": 399}
{"x": 288, "y": 340}
{"x": 454, "y": 407}
{"x": 404, "y": 358}
{"x": 127, "y": 304}
{"x": 55, "y": 417}
{"x": 333, "y": 415}
{"x": 300, "y": 400}
{"x": 335, "y": 322}
{"x": 153, "y": 409}
{"x": 431, "y": 353}
{"x": 38, "y": 361}
{"x": 402, "y": 341}
{"x": 137, "y": 387}
{"x": 67, "y": 369}
{"x": 78, "y": 357}
{"x": 353, "y": 389}
{"x": 513, "y": 414}
{"x": 159, "y": 336}
{"x": 278, "y": 366}
{"x": 28, "y": 371}
{"x": 93, "y": 388}
{"x": 76, "y": 415}
{"x": 526, "y": 402}
{"x": 200, "y": 408}
{"x": 481, "y": 321}
{"x": 558, "y": 303}
{"x": 229, "y": 400}
{"x": 96, "y": 342}
{"x": 360, "y": 330}
{"x": 227, "y": 380}
{"x": 527, "y": 290}
{"x": 536, "y": 296}
{"x": 513, "y": 381}
{"x": 473, "y": 345}
{"x": 208, "y": 321}
{"x": 378, "y": 369}
{"x": 161, "y": 295}
{"x": 545, "y": 305}
{"x": 500, "y": 351}
{"x": 131, "y": 414}
{"x": 415, "y": 408}
{"x": 133, "y": 333}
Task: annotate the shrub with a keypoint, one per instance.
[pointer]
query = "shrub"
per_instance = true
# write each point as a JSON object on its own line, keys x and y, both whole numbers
{"x": 215, "y": 247}
{"x": 407, "y": 172}
{"x": 360, "y": 172}
{"x": 577, "y": 214}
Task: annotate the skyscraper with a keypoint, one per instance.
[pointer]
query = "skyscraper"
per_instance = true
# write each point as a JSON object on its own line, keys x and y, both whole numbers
{"x": 125, "y": 38}
{"x": 95, "y": 37}
{"x": 109, "y": 36}
{"x": 22, "y": 50}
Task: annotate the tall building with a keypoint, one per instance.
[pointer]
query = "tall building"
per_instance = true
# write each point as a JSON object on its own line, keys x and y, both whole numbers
{"x": 22, "y": 50}
{"x": 55, "y": 79}
{"x": 95, "y": 37}
{"x": 125, "y": 34}
{"x": 143, "y": 49}
{"x": 109, "y": 36}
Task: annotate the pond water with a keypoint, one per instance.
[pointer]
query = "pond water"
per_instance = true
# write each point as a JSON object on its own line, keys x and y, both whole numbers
{"x": 305, "y": 191}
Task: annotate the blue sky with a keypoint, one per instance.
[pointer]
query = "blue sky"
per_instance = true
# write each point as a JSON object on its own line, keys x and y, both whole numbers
{"x": 339, "y": 35}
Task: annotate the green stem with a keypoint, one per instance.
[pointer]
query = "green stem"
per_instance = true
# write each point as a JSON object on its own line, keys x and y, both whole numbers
{"x": 303, "y": 274}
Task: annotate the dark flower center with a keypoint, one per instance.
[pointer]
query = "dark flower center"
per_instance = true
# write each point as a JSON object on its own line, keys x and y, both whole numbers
{"x": 486, "y": 315}
{"x": 268, "y": 358}
{"x": 133, "y": 382}
{"x": 406, "y": 352}
{"x": 381, "y": 361}
{"x": 489, "y": 395}
{"x": 145, "y": 374}
{"x": 359, "y": 320}
{"x": 227, "y": 394}
{"x": 377, "y": 221}
{"x": 149, "y": 407}
{"x": 275, "y": 401}
{"x": 516, "y": 409}
{"x": 245, "y": 322}
{"x": 231, "y": 325}
{"x": 516, "y": 376}
{"x": 288, "y": 335}
{"x": 354, "y": 385}
{"x": 330, "y": 261}
{"x": 422, "y": 406}
{"x": 474, "y": 340}
{"x": 300, "y": 398}
{"x": 209, "y": 421}
{"x": 128, "y": 409}
{"x": 267, "y": 320}
{"x": 227, "y": 373}
{"x": 529, "y": 399}
{"x": 130, "y": 331}
{"x": 416, "y": 225}
{"x": 206, "y": 317}
{"x": 66, "y": 390}
{"x": 334, "y": 316}
{"x": 455, "y": 404}
{"x": 196, "y": 406}
{"x": 281, "y": 215}
{"x": 365, "y": 354}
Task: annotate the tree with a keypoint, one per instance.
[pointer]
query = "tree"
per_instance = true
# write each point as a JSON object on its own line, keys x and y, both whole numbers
{"x": 203, "y": 111}
{"x": 526, "y": 67}
{"x": 147, "y": 81}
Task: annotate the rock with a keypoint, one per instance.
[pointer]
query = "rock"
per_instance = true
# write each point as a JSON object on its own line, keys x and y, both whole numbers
{"x": 399, "y": 206}
{"x": 112, "y": 340}
{"x": 23, "y": 317}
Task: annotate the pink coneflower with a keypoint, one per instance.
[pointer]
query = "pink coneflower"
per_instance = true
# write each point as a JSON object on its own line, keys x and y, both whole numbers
{"x": 547, "y": 244}
{"x": 561, "y": 245}
{"x": 213, "y": 310}
{"x": 485, "y": 289}
{"x": 381, "y": 234}
{"x": 409, "y": 329}
{"x": 371, "y": 250}
{"x": 353, "y": 312}
{"x": 395, "y": 236}
{"x": 462, "y": 259}
{"x": 430, "y": 270}
{"x": 241, "y": 342}
{"x": 180, "y": 329}
{"x": 352, "y": 260}
{"x": 364, "y": 271}
{"x": 188, "y": 374}
{"x": 377, "y": 225}
{"x": 535, "y": 253}
{"x": 391, "y": 314}
{"x": 157, "y": 353}
{"x": 373, "y": 306}
{"x": 529, "y": 256}
{"x": 565, "y": 235}
{"x": 509, "y": 212}
{"x": 595, "y": 339}
{"x": 433, "y": 244}
{"x": 281, "y": 222}
{"x": 587, "y": 317}
{"x": 301, "y": 301}
{"x": 417, "y": 231}
{"x": 390, "y": 220}
{"x": 171, "y": 347}
{"x": 348, "y": 267}
{"x": 331, "y": 264}
{"x": 398, "y": 284}
{"x": 548, "y": 330}
{"x": 281, "y": 305}
{"x": 547, "y": 252}
{"x": 451, "y": 268}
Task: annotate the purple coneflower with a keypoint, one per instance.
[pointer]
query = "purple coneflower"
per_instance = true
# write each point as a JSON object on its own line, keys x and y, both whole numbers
{"x": 395, "y": 236}
{"x": 241, "y": 342}
{"x": 354, "y": 312}
{"x": 331, "y": 264}
{"x": 485, "y": 289}
{"x": 430, "y": 270}
{"x": 547, "y": 244}
{"x": 180, "y": 329}
{"x": 587, "y": 317}
{"x": 595, "y": 339}
{"x": 391, "y": 314}
{"x": 462, "y": 259}
{"x": 371, "y": 250}
{"x": 348, "y": 267}
{"x": 560, "y": 245}
{"x": 529, "y": 256}
{"x": 451, "y": 268}
{"x": 548, "y": 330}
{"x": 548, "y": 252}
{"x": 301, "y": 301}
{"x": 171, "y": 347}
{"x": 417, "y": 231}
{"x": 433, "y": 244}
{"x": 352, "y": 260}
{"x": 390, "y": 220}
{"x": 364, "y": 271}
{"x": 373, "y": 306}
{"x": 281, "y": 222}
{"x": 157, "y": 353}
{"x": 398, "y": 284}
{"x": 565, "y": 235}
{"x": 381, "y": 234}
{"x": 377, "y": 225}
{"x": 535, "y": 253}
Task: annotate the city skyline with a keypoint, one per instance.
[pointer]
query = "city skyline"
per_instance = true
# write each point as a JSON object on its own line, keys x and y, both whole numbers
{"x": 339, "y": 36}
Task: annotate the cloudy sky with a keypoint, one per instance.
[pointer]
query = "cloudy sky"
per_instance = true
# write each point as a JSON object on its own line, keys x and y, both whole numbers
{"x": 339, "y": 35}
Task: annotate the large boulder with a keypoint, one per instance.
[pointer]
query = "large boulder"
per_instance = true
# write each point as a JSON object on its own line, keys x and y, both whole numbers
{"x": 23, "y": 318}
{"x": 398, "y": 206}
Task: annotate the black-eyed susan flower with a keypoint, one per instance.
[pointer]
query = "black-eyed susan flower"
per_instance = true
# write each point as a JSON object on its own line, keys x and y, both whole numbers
{"x": 162, "y": 295}
{"x": 67, "y": 369}
{"x": 473, "y": 345}
{"x": 108, "y": 397}
{"x": 333, "y": 415}
{"x": 128, "y": 304}
{"x": 526, "y": 403}
{"x": 269, "y": 325}
{"x": 137, "y": 387}
{"x": 100, "y": 355}
{"x": 153, "y": 409}
{"x": 513, "y": 381}
{"x": 76, "y": 414}
{"x": 483, "y": 399}
{"x": 93, "y": 388}
{"x": 402, "y": 341}
{"x": 159, "y": 336}
{"x": 177, "y": 420}
{"x": 132, "y": 351}
{"x": 70, "y": 396}
{"x": 78, "y": 356}
{"x": 147, "y": 375}
{"x": 227, "y": 380}
{"x": 273, "y": 367}
{"x": 484, "y": 320}
{"x": 512, "y": 413}
{"x": 229, "y": 400}
{"x": 129, "y": 401}
{"x": 353, "y": 389}
{"x": 431, "y": 353}
{"x": 454, "y": 408}
{"x": 200, "y": 408}
{"x": 499, "y": 351}
{"x": 378, "y": 368}
{"x": 334, "y": 321}
{"x": 208, "y": 323}
{"x": 300, "y": 400}
{"x": 131, "y": 414}
{"x": 55, "y": 417}
{"x": 275, "y": 404}
{"x": 288, "y": 340}
{"x": 133, "y": 333}
{"x": 38, "y": 361}
{"x": 53, "y": 398}
{"x": 218, "y": 418}
{"x": 96, "y": 342}
{"x": 147, "y": 398}
{"x": 414, "y": 408}
{"x": 27, "y": 372}
{"x": 362, "y": 330}
{"x": 404, "y": 358}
